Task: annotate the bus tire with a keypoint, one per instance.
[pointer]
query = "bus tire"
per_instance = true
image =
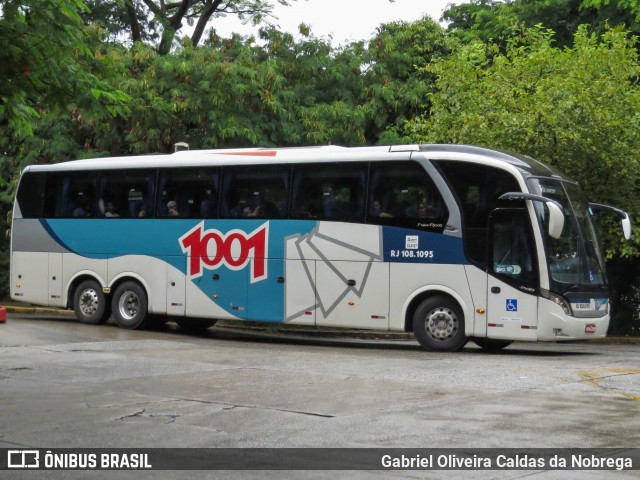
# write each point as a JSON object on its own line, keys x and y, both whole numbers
{"x": 491, "y": 344}
{"x": 438, "y": 324}
{"x": 129, "y": 305}
{"x": 195, "y": 324}
{"x": 90, "y": 303}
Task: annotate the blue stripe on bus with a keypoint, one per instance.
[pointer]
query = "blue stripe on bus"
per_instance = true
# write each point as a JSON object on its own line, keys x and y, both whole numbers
{"x": 410, "y": 246}
{"x": 110, "y": 238}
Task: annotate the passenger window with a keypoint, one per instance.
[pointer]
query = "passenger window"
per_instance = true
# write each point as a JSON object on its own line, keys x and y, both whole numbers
{"x": 403, "y": 194}
{"x": 71, "y": 195}
{"x": 188, "y": 193}
{"x": 126, "y": 194}
{"x": 329, "y": 192}
{"x": 255, "y": 191}
{"x": 31, "y": 194}
{"x": 477, "y": 188}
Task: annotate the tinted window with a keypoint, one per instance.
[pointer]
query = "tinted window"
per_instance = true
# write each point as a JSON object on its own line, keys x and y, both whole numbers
{"x": 31, "y": 194}
{"x": 126, "y": 194}
{"x": 403, "y": 194}
{"x": 188, "y": 193}
{"x": 256, "y": 191}
{"x": 513, "y": 251}
{"x": 477, "y": 189}
{"x": 71, "y": 195}
{"x": 329, "y": 192}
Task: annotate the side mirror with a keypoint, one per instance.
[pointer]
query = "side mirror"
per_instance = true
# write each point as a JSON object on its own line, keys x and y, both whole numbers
{"x": 556, "y": 216}
{"x": 624, "y": 217}
{"x": 626, "y": 227}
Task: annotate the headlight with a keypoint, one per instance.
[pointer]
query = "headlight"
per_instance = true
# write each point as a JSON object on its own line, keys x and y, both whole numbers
{"x": 558, "y": 300}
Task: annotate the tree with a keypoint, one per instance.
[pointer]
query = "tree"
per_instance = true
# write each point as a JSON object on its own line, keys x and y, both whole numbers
{"x": 233, "y": 92}
{"x": 576, "y": 108}
{"x": 157, "y": 21}
{"x": 498, "y": 21}
{"x": 397, "y": 84}
{"x": 51, "y": 84}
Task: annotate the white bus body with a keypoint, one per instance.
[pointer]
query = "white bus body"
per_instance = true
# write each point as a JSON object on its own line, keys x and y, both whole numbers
{"x": 451, "y": 242}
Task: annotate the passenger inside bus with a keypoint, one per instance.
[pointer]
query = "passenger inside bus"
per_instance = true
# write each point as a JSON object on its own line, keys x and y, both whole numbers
{"x": 377, "y": 211}
{"x": 172, "y": 209}
{"x": 110, "y": 210}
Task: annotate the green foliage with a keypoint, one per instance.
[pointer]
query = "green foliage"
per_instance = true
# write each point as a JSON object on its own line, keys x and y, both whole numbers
{"x": 235, "y": 93}
{"x": 629, "y": 8}
{"x": 398, "y": 85}
{"x": 576, "y": 108}
{"x": 157, "y": 23}
{"x": 34, "y": 40}
{"x": 52, "y": 85}
{"x": 48, "y": 71}
{"x": 283, "y": 91}
{"x": 499, "y": 21}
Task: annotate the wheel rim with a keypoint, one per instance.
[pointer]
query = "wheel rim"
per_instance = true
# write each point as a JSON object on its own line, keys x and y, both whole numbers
{"x": 128, "y": 305}
{"x": 89, "y": 302}
{"x": 441, "y": 324}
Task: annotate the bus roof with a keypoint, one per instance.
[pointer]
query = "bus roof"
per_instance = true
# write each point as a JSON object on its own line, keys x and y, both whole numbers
{"x": 328, "y": 153}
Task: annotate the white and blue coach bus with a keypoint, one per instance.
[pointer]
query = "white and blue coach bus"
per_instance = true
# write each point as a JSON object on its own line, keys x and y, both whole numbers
{"x": 450, "y": 242}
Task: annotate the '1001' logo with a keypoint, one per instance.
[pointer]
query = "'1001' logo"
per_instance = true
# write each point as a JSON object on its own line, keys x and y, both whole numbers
{"x": 211, "y": 249}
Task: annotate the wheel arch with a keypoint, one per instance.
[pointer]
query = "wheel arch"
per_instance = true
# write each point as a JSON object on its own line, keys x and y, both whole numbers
{"x": 414, "y": 300}
{"x": 131, "y": 276}
{"x": 77, "y": 279}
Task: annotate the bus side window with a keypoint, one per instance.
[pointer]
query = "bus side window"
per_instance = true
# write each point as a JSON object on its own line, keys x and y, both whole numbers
{"x": 256, "y": 191}
{"x": 71, "y": 195}
{"x": 31, "y": 194}
{"x": 477, "y": 188}
{"x": 188, "y": 193}
{"x": 126, "y": 194}
{"x": 330, "y": 192}
{"x": 403, "y": 194}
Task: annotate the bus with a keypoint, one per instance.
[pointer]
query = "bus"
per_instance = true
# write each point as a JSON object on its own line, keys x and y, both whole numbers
{"x": 450, "y": 242}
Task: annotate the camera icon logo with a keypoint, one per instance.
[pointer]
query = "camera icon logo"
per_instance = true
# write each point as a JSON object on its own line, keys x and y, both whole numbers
{"x": 23, "y": 459}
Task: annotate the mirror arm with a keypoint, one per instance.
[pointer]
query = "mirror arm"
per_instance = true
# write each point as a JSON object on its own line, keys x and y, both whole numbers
{"x": 556, "y": 212}
{"x": 624, "y": 217}
{"x": 529, "y": 196}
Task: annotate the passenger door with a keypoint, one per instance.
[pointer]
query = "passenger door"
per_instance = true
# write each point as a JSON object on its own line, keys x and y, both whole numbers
{"x": 512, "y": 283}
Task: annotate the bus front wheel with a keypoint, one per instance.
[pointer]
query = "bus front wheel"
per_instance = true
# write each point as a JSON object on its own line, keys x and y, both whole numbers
{"x": 129, "y": 305}
{"x": 438, "y": 324}
{"x": 90, "y": 304}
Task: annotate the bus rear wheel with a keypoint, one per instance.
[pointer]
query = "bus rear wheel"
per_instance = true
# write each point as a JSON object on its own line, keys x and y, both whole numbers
{"x": 129, "y": 305}
{"x": 90, "y": 303}
{"x": 438, "y": 324}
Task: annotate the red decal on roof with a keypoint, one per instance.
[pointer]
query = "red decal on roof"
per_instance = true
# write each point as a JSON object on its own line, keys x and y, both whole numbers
{"x": 259, "y": 153}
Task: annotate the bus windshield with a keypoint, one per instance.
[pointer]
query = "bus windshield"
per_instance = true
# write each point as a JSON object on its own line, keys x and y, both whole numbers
{"x": 575, "y": 259}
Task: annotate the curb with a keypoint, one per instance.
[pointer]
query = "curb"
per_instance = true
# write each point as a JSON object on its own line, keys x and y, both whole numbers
{"x": 33, "y": 309}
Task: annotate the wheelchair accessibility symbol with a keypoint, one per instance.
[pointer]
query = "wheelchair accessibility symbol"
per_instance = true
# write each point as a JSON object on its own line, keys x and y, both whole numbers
{"x": 512, "y": 305}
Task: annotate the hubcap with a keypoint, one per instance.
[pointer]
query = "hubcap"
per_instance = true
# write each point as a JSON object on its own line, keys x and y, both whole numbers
{"x": 441, "y": 324}
{"x": 89, "y": 302}
{"x": 128, "y": 305}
